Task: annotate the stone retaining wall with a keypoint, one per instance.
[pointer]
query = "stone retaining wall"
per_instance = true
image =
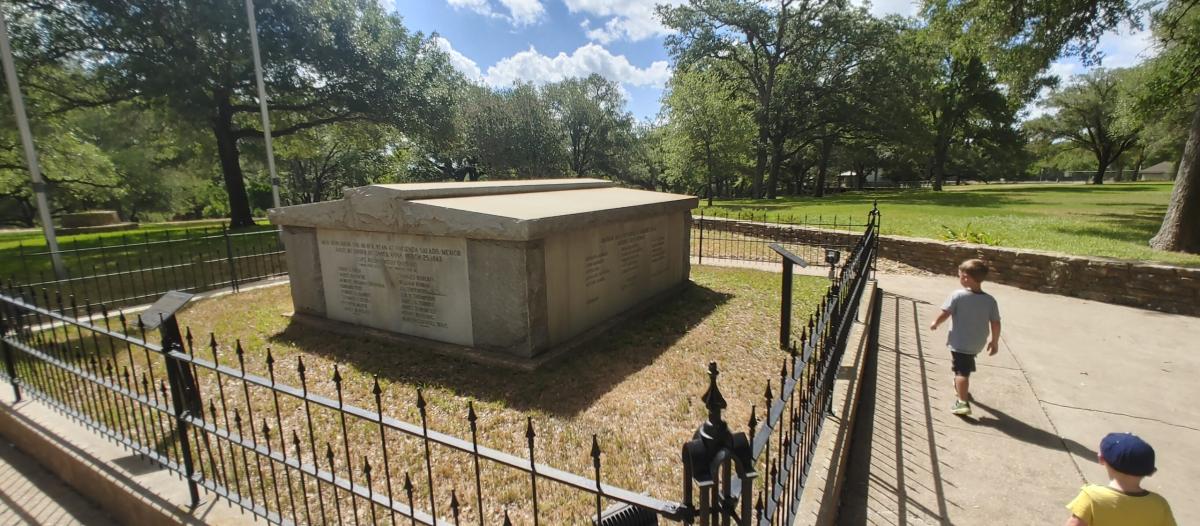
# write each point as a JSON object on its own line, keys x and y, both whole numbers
{"x": 1157, "y": 287}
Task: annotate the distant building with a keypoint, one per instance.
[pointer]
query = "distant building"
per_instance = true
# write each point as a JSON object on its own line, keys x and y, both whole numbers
{"x": 1163, "y": 171}
{"x": 873, "y": 179}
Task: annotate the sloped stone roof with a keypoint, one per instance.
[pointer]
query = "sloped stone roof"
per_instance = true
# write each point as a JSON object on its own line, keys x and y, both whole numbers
{"x": 504, "y": 210}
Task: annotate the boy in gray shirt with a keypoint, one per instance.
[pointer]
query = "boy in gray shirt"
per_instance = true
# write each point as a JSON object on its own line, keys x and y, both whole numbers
{"x": 974, "y": 312}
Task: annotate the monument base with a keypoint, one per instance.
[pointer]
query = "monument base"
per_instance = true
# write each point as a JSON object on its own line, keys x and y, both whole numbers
{"x": 484, "y": 356}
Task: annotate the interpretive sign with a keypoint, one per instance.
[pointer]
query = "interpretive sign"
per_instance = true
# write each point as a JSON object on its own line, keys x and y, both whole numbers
{"x": 405, "y": 283}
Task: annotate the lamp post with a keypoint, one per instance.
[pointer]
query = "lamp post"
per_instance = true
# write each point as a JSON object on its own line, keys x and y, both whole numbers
{"x": 262, "y": 102}
{"x": 35, "y": 171}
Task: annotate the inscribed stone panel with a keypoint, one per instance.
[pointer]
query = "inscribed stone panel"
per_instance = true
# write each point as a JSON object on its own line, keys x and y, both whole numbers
{"x": 398, "y": 282}
{"x": 595, "y": 273}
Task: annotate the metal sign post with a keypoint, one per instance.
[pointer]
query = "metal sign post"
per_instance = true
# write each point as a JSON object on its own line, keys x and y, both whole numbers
{"x": 262, "y": 102}
{"x": 785, "y": 304}
{"x": 35, "y": 171}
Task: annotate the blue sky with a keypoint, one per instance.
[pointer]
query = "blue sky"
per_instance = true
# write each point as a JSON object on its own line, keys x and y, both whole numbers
{"x": 498, "y": 42}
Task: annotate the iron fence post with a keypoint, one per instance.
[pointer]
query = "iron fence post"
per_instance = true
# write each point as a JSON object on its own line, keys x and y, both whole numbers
{"x": 873, "y": 225}
{"x": 9, "y": 367}
{"x": 184, "y": 403}
{"x": 785, "y": 307}
{"x": 233, "y": 278}
{"x": 700, "y": 254}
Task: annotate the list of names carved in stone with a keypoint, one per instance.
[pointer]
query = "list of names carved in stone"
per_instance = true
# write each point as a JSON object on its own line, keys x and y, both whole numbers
{"x": 411, "y": 284}
{"x": 627, "y": 257}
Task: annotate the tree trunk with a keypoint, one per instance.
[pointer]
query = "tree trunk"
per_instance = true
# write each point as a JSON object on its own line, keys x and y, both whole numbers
{"x": 231, "y": 168}
{"x": 709, "y": 164}
{"x": 760, "y": 162}
{"x": 1098, "y": 178}
{"x": 776, "y": 165}
{"x": 1180, "y": 229}
{"x": 823, "y": 166}
{"x": 941, "y": 149}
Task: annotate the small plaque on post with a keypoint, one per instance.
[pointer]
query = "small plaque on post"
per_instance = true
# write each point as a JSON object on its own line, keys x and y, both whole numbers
{"x": 164, "y": 308}
{"x": 788, "y": 255}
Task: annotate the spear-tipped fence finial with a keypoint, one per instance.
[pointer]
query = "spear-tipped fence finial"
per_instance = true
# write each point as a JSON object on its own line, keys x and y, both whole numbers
{"x": 713, "y": 400}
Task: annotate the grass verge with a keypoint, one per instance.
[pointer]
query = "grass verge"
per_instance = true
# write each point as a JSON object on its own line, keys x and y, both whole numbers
{"x": 636, "y": 387}
{"x": 1110, "y": 220}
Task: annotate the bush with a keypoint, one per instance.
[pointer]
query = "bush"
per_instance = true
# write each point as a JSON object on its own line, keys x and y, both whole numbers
{"x": 968, "y": 235}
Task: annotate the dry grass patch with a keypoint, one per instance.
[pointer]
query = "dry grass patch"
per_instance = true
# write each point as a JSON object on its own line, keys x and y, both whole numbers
{"x": 637, "y": 387}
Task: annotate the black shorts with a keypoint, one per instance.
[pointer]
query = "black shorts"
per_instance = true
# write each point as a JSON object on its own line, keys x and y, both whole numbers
{"x": 962, "y": 364}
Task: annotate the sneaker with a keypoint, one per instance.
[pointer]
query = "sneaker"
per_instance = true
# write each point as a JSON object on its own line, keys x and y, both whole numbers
{"x": 962, "y": 408}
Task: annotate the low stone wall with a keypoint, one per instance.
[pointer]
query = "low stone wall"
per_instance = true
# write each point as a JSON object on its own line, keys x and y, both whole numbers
{"x": 1163, "y": 288}
{"x": 90, "y": 218}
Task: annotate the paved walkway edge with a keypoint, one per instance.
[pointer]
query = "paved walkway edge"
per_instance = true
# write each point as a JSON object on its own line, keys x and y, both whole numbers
{"x": 821, "y": 499}
{"x": 131, "y": 489}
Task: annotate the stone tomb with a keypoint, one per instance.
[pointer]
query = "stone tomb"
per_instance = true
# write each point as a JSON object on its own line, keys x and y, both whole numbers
{"x": 513, "y": 267}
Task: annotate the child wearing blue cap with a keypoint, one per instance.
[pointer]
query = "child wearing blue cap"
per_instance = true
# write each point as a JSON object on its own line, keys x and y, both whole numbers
{"x": 1128, "y": 459}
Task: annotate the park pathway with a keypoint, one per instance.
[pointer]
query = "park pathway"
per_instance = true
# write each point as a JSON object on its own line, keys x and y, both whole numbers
{"x": 1068, "y": 372}
{"x": 29, "y": 494}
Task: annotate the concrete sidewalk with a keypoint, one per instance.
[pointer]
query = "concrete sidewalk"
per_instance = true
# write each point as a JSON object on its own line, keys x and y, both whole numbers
{"x": 1068, "y": 372}
{"x": 31, "y": 495}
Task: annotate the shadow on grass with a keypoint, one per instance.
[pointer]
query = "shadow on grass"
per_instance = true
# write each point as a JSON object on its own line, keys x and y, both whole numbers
{"x": 1133, "y": 227}
{"x": 971, "y": 199}
{"x": 1073, "y": 188}
{"x": 564, "y": 387}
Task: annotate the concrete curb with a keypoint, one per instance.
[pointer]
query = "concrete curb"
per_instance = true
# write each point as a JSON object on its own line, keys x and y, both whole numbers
{"x": 822, "y": 496}
{"x": 131, "y": 489}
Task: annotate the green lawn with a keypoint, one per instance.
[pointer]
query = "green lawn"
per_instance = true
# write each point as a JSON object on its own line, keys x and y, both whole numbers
{"x": 127, "y": 267}
{"x": 1113, "y": 220}
{"x": 34, "y": 238}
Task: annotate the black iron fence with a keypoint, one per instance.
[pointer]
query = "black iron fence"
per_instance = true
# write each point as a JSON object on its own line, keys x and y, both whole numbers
{"x": 747, "y": 235}
{"x": 133, "y": 269}
{"x": 279, "y": 451}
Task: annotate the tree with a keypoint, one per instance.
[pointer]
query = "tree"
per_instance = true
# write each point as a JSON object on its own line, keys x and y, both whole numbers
{"x": 755, "y": 41}
{"x": 822, "y": 86}
{"x": 1039, "y": 31}
{"x": 325, "y": 61}
{"x": 1086, "y": 117}
{"x": 78, "y": 174}
{"x": 647, "y": 156}
{"x": 316, "y": 164}
{"x": 707, "y": 130}
{"x": 590, "y": 113}
{"x": 161, "y": 166}
{"x": 513, "y": 134}
{"x": 1172, "y": 85}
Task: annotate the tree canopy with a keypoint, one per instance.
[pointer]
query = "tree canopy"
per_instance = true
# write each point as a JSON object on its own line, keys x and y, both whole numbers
{"x": 325, "y": 61}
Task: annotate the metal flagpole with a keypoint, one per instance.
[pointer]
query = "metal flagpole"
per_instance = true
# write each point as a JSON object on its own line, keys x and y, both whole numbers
{"x": 35, "y": 172}
{"x": 262, "y": 102}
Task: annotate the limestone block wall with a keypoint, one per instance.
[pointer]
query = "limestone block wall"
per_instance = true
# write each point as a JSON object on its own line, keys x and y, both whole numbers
{"x": 1163, "y": 288}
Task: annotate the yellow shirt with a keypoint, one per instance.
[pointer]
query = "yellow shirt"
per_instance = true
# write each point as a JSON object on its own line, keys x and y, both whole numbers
{"x": 1104, "y": 506}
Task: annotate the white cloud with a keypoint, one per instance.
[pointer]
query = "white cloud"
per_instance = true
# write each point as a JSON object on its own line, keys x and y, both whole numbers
{"x": 882, "y": 8}
{"x": 1125, "y": 47}
{"x": 1122, "y": 47}
{"x": 524, "y": 12}
{"x": 631, "y": 20}
{"x": 460, "y": 61}
{"x": 478, "y": 6}
{"x": 532, "y": 66}
{"x": 520, "y": 12}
